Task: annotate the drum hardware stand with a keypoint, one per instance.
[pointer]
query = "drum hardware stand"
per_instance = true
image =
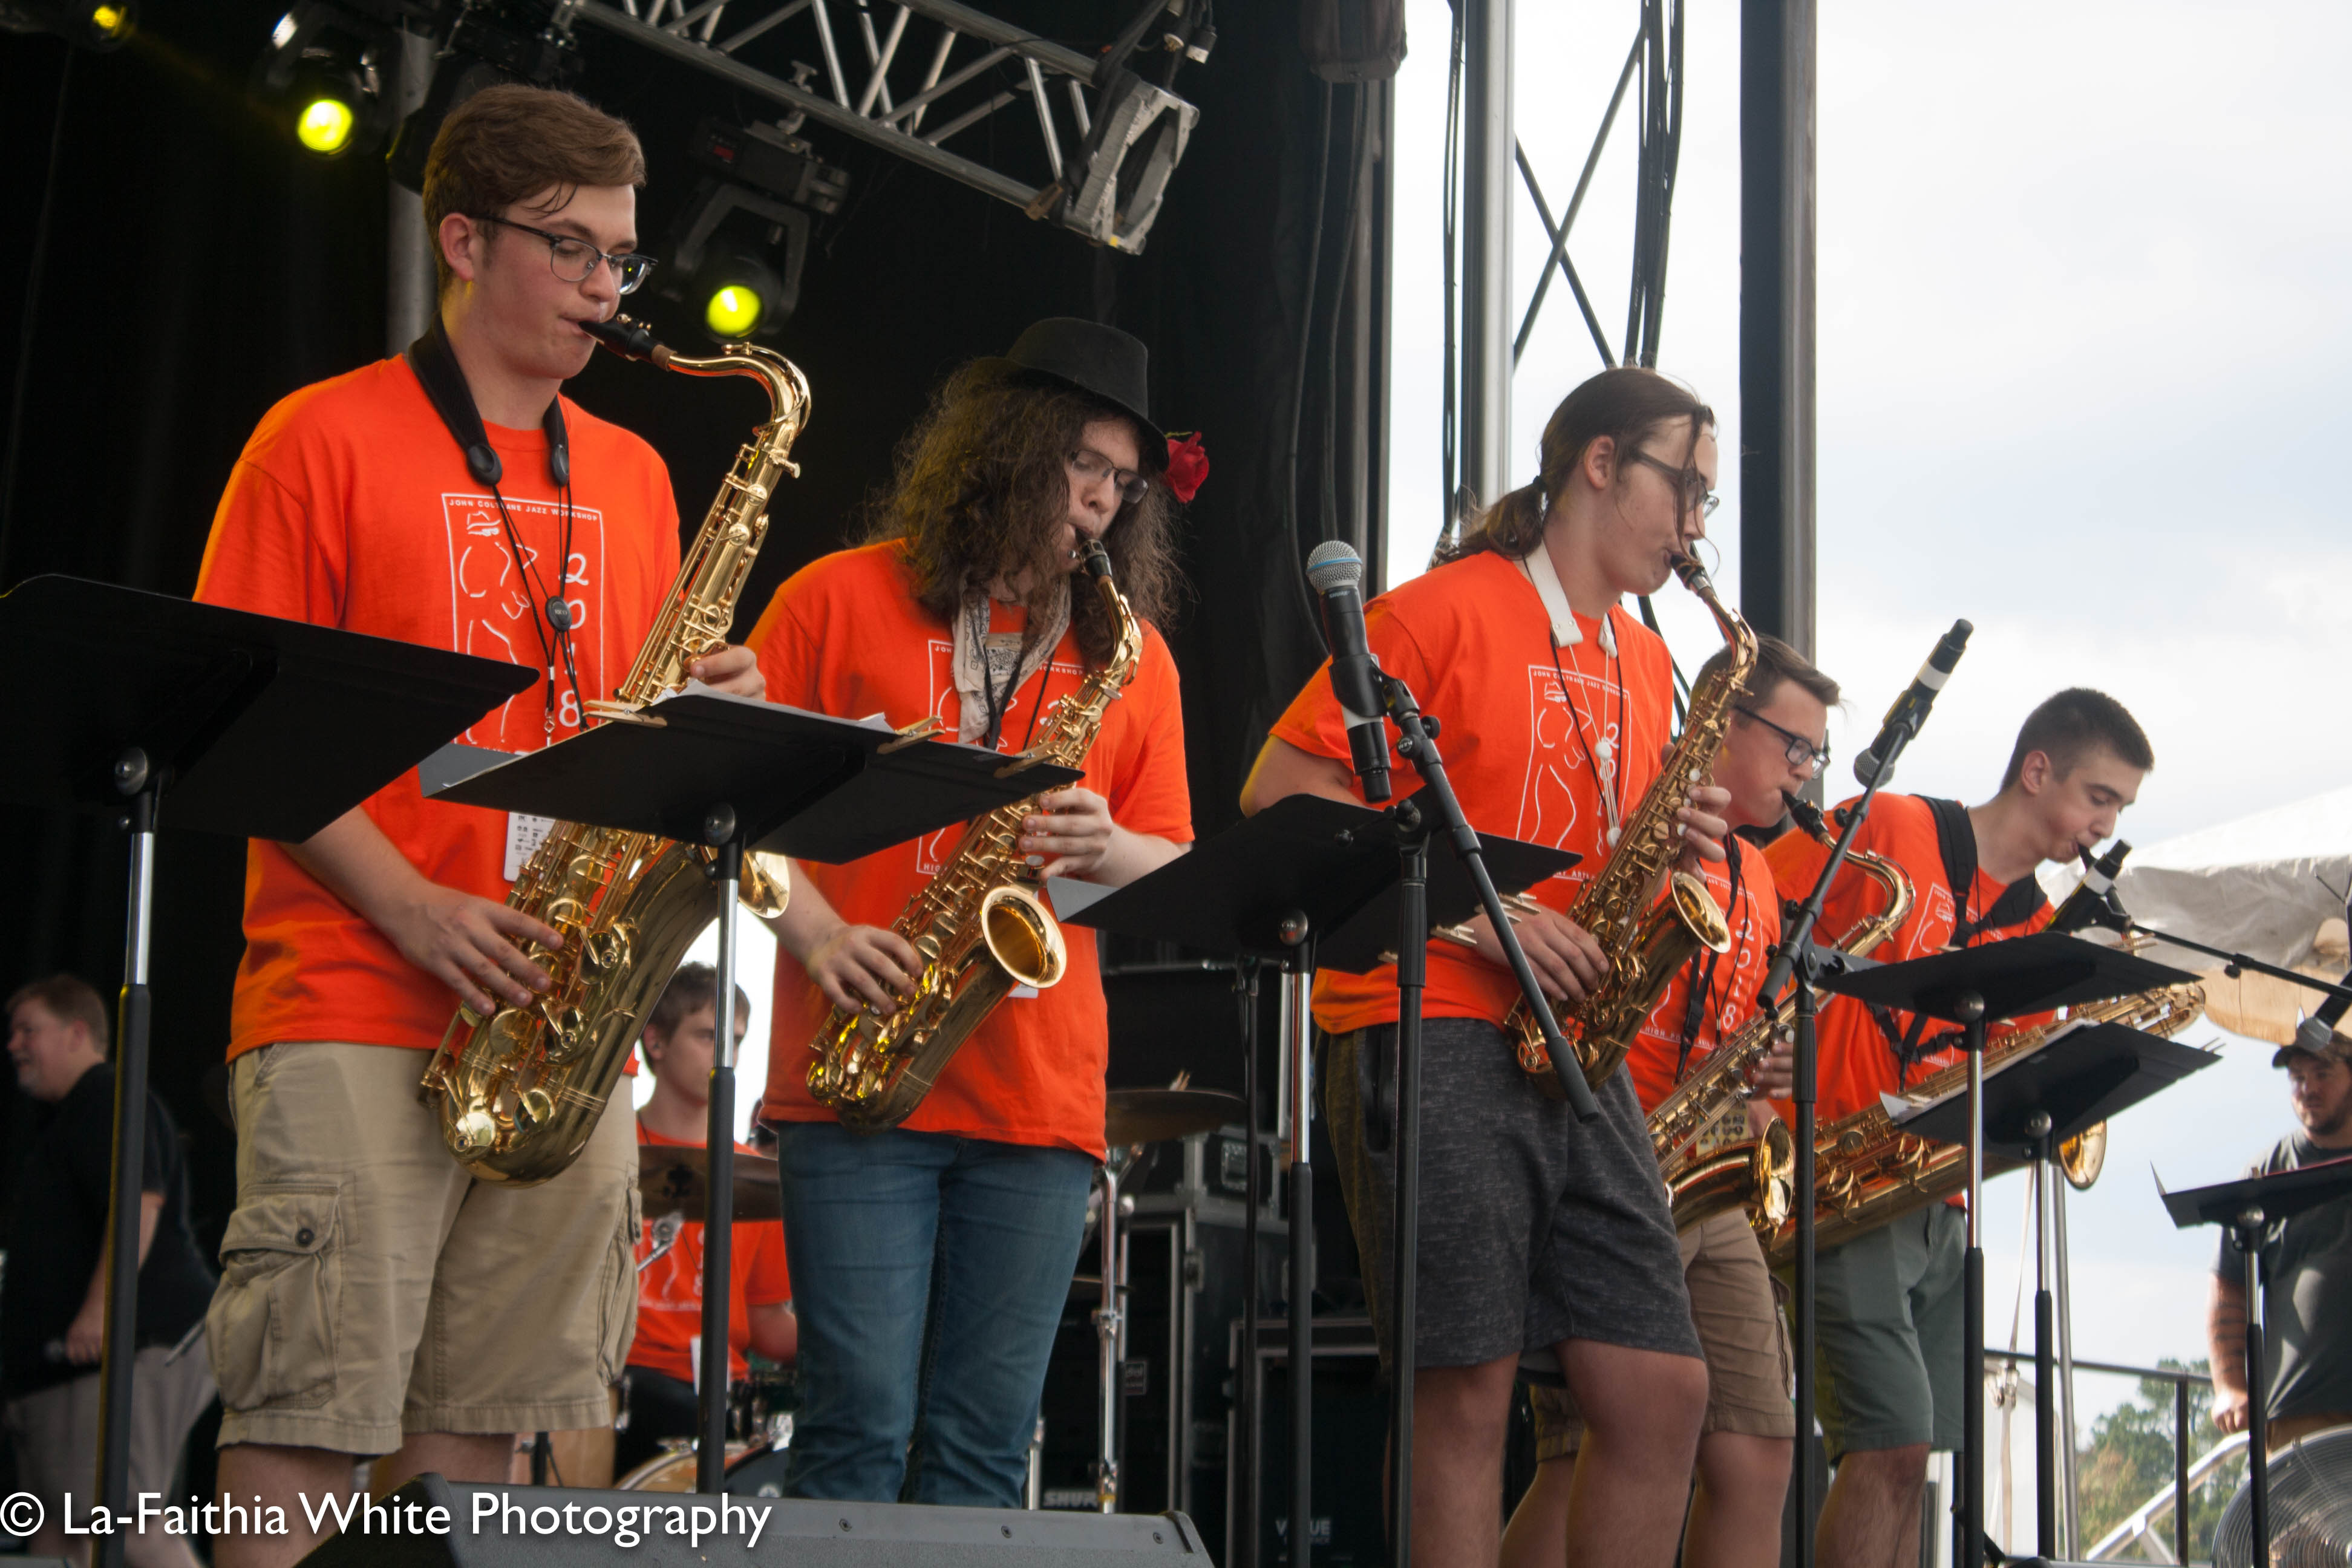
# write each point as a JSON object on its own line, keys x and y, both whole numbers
{"x": 1110, "y": 1331}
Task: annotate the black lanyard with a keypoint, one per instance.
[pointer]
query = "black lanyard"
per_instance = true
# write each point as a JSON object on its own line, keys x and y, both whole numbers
{"x": 1614, "y": 665}
{"x": 1701, "y": 1002}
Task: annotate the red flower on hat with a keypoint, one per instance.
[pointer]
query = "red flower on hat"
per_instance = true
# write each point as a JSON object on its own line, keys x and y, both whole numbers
{"x": 1188, "y": 465}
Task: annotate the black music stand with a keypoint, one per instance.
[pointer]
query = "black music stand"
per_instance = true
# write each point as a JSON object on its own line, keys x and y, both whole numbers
{"x": 2248, "y": 1207}
{"x": 2083, "y": 1076}
{"x": 1972, "y": 987}
{"x": 1306, "y": 882}
{"x": 739, "y": 776}
{"x": 250, "y": 726}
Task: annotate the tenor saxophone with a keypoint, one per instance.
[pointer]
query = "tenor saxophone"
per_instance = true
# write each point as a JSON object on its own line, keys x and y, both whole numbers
{"x": 517, "y": 1094}
{"x": 1708, "y": 1165}
{"x": 1869, "y": 1172}
{"x": 1646, "y": 938}
{"x": 980, "y": 923}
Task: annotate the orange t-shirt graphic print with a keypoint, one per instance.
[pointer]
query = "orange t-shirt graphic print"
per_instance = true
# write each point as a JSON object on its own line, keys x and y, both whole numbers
{"x": 495, "y": 608}
{"x": 1472, "y": 640}
{"x": 351, "y": 506}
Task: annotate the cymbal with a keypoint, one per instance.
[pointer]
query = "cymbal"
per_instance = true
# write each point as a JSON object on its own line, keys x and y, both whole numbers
{"x": 675, "y": 1179}
{"x": 1155, "y": 1115}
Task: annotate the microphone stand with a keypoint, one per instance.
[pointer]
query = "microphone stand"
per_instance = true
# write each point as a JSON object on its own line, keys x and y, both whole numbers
{"x": 2236, "y": 963}
{"x": 1810, "y": 963}
{"x": 1417, "y": 744}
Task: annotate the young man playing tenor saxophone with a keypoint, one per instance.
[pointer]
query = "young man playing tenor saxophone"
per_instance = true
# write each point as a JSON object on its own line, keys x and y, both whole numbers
{"x": 1777, "y": 744}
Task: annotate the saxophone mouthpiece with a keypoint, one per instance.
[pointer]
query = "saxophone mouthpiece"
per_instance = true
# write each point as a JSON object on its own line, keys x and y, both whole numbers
{"x": 629, "y": 339}
{"x": 1094, "y": 559}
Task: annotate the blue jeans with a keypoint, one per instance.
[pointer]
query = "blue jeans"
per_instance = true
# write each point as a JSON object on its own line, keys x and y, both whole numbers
{"x": 929, "y": 1274}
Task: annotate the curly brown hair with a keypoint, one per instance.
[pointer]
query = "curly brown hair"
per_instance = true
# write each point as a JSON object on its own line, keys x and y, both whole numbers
{"x": 983, "y": 481}
{"x": 1629, "y": 404}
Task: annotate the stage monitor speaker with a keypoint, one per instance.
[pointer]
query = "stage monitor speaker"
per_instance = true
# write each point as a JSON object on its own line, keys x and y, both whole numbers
{"x": 555, "y": 1527}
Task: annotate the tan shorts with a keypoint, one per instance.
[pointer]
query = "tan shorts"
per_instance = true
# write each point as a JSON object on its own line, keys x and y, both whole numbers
{"x": 1749, "y": 1364}
{"x": 369, "y": 1287}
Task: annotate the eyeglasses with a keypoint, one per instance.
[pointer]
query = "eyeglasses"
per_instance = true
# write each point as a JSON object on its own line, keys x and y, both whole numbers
{"x": 1690, "y": 485}
{"x": 1801, "y": 753}
{"x": 572, "y": 258}
{"x": 1091, "y": 468}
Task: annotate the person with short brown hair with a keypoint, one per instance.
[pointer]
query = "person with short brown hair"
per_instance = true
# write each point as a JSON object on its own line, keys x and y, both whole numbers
{"x": 53, "y": 1302}
{"x": 1888, "y": 1308}
{"x": 373, "y": 1294}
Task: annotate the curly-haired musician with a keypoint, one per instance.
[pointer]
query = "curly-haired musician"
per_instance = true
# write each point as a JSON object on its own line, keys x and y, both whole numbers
{"x": 1537, "y": 1234}
{"x": 1889, "y": 1301}
{"x": 931, "y": 1260}
{"x": 1776, "y": 745}
{"x": 371, "y": 1291}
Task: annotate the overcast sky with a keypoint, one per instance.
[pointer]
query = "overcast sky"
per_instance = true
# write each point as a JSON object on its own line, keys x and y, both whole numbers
{"x": 2082, "y": 358}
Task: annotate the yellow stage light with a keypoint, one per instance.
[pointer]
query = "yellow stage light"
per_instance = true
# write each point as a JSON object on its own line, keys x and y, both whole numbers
{"x": 733, "y": 310}
{"x": 112, "y": 21}
{"x": 325, "y": 126}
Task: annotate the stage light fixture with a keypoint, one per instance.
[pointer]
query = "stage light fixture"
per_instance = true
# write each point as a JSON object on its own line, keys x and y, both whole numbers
{"x": 736, "y": 249}
{"x": 321, "y": 73}
{"x": 492, "y": 41}
{"x": 101, "y": 26}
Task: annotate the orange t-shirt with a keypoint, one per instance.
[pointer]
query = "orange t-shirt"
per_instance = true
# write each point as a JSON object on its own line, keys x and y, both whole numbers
{"x": 670, "y": 1293}
{"x": 845, "y": 635}
{"x": 351, "y": 506}
{"x": 1731, "y": 999}
{"x": 1473, "y": 641}
{"x": 1855, "y": 1062}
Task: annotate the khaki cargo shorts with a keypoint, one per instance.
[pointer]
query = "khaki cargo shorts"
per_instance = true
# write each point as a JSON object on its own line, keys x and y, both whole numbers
{"x": 369, "y": 1287}
{"x": 1749, "y": 1369}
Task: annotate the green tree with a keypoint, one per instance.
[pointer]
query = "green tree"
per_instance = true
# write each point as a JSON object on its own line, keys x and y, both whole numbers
{"x": 2128, "y": 1460}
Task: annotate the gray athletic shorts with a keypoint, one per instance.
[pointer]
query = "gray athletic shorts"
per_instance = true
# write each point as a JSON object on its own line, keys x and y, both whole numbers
{"x": 1534, "y": 1228}
{"x": 1888, "y": 1321}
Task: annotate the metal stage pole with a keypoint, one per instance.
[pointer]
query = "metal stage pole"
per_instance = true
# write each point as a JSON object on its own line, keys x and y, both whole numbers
{"x": 1299, "y": 1029}
{"x": 1776, "y": 72}
{"x": 1488, "y": 146}
{"x": 719, "y": 1213}
{"x": 408, "y": 274}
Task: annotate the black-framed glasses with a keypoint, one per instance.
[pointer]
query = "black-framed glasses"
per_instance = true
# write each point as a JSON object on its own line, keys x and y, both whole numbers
{"x": 572, "y": 258}
{"x": 1690, "y": 485}
{"x": 1091, "y": 468}
{"x": 1801, "y": 753}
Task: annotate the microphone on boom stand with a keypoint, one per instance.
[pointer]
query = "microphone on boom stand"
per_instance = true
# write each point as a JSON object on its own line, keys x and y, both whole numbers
{"x": 1910, "y": 710}
{"x": 2094, "y": 902}
{"x": 1338, "y": 576}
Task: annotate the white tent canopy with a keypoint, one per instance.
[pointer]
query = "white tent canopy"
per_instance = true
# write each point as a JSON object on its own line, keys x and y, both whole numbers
{"x": 2263, "y": 885}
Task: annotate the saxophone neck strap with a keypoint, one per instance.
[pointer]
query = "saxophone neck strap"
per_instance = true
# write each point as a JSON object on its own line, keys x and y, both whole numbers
{"x": 436, "y": 365}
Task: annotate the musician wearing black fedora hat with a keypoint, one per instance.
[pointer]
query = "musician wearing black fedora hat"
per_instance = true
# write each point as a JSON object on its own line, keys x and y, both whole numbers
{"x": 931, "y": 1260}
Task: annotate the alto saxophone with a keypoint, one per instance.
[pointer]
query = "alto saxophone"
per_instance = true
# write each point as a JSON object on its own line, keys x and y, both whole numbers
{"x": 520, "y": 1092}
{"x": 980, "y": 924}
{"x": 1708, "y": 1165}
{"x": 1646, "y": 938}
{"x": 1870, "y": 1170}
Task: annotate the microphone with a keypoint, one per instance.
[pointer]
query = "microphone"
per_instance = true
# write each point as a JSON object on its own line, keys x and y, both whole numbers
{"x": 1338, "y": 575}
{"x": 2092, "y": 902}
{"x": 1910, "y": 710}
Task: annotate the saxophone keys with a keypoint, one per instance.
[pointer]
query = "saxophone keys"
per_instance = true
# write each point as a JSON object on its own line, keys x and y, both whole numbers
{"x": 607, "y": 950}
{"x": 567, "y": 1030}
{"x": 534, "y": 1106}
{"x": 472, "y": 1134}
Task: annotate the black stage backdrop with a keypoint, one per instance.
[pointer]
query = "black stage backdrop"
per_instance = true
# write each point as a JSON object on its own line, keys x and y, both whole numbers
{"x": 199, "y": 266}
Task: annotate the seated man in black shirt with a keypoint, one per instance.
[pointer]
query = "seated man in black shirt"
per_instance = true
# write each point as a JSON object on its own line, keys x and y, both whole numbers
{"x": 53, "y": 1309}
{"x": 2308, "y": 1264}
